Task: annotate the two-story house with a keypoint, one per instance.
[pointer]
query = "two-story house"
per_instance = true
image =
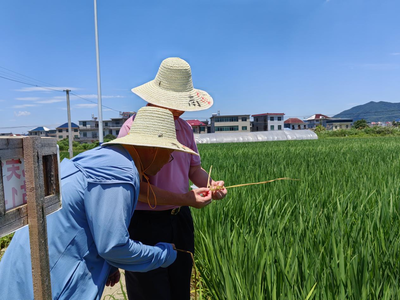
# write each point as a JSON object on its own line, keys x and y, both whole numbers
{"x": 89, "y": 129}
{"x": 62, "y": 131}
{"x": 42, "y": 132}
{"x": 315, "y": 120}
{"x": 198, "y": 126}
{"x": 232, "y": 123}
{"x": 268, "y": 122}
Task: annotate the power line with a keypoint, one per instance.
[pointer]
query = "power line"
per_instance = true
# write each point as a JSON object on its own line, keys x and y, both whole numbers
{"x": 29, "y": 126}
{"x": 94, "y": 102}
{"x": 24, "y": 75}
{"x": 47, "y": 88}
{"x": 35, "y": 85}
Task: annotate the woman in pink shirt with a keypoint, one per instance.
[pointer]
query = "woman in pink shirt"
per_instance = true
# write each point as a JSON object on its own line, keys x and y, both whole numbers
{"x": 163, "y": 212}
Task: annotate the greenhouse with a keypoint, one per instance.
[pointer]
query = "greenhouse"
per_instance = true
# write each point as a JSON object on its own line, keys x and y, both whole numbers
{"x": 259, "y": 136}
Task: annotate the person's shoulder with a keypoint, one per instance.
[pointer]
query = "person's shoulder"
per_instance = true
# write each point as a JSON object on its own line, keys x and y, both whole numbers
{"x": 102, "y": 153}
{"x": 106, "y": 162}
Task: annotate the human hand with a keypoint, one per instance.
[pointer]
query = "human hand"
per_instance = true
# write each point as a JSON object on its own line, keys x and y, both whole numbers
{"x": 199, "y": 197}
{"x": 113, "y": 278}
{"x": 218, "y": 194}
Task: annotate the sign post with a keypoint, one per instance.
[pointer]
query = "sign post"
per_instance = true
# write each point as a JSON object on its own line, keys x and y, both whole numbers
{"x": 30, "y": 190}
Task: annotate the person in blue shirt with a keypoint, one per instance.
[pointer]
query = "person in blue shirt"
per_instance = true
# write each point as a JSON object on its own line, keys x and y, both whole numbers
{"x": 88, "y": 238}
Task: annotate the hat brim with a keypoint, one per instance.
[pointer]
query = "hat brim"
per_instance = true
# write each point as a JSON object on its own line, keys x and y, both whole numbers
{"x": 194, "y": 100}
{"x": 149, "y": 141}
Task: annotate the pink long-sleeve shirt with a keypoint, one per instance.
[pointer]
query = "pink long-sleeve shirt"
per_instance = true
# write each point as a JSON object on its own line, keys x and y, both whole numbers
{"x": 174, "y": 176}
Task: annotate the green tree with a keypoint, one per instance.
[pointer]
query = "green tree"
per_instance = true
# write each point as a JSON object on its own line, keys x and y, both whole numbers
{"x": 360, "y": 124}
{"x": 319, "y": 129}
{"x": 108, "y": 137}
{"x": 63, "y": 144}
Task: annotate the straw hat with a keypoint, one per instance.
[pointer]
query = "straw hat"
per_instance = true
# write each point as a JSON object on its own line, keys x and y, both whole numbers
{"x": 173, "y": 88}
{"x": 153, "y": 127}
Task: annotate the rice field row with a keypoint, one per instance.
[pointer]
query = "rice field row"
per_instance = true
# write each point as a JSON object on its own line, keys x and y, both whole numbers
{"x": 335, "y": 234}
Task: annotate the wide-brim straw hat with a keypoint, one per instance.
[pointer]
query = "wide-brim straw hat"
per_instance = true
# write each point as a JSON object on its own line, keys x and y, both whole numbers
{"x": 173, "y": 88}
{"x": 153, "y": 127}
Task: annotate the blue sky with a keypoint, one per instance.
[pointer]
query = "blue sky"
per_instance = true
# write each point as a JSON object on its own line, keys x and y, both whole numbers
{"x": 252, "y": 56}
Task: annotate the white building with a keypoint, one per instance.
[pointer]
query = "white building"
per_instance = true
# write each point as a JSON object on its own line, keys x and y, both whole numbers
{"x": 268, "y": 122}
{"x": 89, "y": 129}
{"x": 62, "y": 131}
{"x": 42, "y": 132}
{"x": 237, "y": 123}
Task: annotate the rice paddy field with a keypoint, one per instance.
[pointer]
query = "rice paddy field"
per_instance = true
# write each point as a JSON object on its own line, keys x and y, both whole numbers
{"x": 335, "y": 234}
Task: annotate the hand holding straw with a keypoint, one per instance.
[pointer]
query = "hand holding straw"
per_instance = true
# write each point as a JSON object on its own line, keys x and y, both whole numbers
{"x": 216, "y": 188}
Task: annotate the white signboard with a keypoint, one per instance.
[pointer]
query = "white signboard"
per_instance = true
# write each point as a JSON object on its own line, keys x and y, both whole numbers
{"x": 14, "y": 183}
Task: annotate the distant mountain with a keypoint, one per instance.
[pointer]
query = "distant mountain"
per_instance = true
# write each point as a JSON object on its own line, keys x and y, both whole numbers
{"x": 373, "y": 112}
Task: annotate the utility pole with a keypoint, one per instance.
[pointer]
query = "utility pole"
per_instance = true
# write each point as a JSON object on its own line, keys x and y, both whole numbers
{"x": 99, "y": 105}
{"x": 70, "y": 150}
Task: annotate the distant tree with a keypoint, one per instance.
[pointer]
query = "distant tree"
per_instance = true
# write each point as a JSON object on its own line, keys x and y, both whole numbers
{"x": 108, "y": 137}
{"x": 360, "y": 124}
{"x": 319, "y": 128}
{"x": 86, "y": 146}
{"x": 63, "y": 144}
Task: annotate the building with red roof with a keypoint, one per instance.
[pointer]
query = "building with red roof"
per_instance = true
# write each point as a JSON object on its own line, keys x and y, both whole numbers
{"x": 295, "y": 124}
{"x": 317, "y": 117}
{"x": 328, "y": 122}
{"x": 198, "y": 126}
{"x": 315, "y": 120}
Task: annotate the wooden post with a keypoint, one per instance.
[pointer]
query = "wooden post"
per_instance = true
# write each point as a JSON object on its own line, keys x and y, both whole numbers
{"x": 37, "y": 219}
{"x": 30, "y": 190}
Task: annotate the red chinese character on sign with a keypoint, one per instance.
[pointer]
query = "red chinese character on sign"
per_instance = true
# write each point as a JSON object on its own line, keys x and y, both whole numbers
{"x": 13, "y": 169}
{"x": 14, "y": 194}
{"x": 23, "y": 188}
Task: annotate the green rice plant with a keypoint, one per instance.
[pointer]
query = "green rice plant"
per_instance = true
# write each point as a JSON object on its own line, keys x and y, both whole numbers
{"x": 4, "y": 242}
{"x": 335, "y": 234}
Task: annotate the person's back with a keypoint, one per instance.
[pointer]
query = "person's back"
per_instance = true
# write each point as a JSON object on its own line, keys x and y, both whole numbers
{"x": 88, "y": 238}
{"x": 71, "y": 231}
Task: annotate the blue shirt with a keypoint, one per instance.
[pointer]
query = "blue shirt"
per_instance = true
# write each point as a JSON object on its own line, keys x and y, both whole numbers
{"x": 88, "y": 238}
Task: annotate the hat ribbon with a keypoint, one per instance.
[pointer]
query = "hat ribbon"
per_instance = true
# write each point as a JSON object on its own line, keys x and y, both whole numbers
{"x": 142, "y": 174}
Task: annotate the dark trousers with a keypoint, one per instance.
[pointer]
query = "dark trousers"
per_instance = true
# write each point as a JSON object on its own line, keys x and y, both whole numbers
{"x": 172, "y": 283}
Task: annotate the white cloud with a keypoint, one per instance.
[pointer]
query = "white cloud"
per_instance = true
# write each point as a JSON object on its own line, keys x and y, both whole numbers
{"x": 86, "y": 105}
{"x": 46, "y": 89}
{"x": 50, "y": 101}
{"x": 21, "y": 113}
{"x": 395, "y": 53}
{"x": 28, "y": 98}
{"x": 54, "y": 99}
{"x": 24, "y": 105}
